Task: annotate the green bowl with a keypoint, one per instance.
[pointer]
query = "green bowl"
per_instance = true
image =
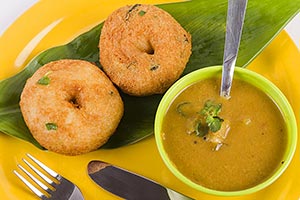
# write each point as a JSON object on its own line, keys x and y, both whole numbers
{"x": 250, "y": 77}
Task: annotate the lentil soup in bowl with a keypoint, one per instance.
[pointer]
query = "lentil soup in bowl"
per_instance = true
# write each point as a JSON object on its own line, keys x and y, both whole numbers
{"x": 221, "y": 146}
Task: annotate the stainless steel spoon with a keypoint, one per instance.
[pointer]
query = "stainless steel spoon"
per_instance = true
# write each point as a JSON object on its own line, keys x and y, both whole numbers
{"x": 234, "y": 25}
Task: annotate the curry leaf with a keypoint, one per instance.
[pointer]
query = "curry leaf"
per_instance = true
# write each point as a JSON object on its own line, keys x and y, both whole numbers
{"x": 210, "y": 112}
{"x": 180, "y": 108}
{"x": 215, "y": 124}
{"x": 204, "y": 20}
{"x": 44, "y": 80}
{"x": 51, "y": 126}
{"x": 201, "y": 129}
{"x": 142, "y": 13}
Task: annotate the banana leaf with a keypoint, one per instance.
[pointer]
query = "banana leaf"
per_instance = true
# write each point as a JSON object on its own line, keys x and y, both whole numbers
{"x": 205, "y": 20}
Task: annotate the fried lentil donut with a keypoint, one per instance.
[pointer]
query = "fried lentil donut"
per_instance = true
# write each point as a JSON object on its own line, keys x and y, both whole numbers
{"x": 71, "y": 107}
{"x": 143, "y": 49}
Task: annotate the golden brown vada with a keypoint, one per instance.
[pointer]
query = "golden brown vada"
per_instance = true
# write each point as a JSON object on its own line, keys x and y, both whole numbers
{"x": 143, "y": 49}
{"x": 71, "y": 107}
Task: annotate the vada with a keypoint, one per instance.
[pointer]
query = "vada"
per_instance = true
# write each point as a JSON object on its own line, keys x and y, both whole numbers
{"x": 71, "y": 107}
{"x": 143, "y": 49}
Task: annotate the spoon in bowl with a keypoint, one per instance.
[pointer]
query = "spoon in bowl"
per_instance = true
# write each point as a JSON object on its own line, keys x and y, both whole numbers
{"x": 234, "y": 25}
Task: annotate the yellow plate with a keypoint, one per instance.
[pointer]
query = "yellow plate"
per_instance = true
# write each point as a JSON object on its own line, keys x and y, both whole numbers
{"x": 53, "y": 22}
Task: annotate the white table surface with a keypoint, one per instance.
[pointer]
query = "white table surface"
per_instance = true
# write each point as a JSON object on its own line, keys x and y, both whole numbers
{"x": 10, "y": 10}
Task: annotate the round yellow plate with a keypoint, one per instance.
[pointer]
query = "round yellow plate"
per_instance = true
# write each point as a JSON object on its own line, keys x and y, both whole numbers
{"x": 51, "y": 23}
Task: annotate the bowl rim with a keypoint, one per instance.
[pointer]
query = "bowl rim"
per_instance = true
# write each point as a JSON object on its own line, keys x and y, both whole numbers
{"x": 254, "y": 79}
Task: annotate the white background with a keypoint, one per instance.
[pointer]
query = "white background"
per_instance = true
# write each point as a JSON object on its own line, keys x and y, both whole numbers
{"x": 10, "y": 10}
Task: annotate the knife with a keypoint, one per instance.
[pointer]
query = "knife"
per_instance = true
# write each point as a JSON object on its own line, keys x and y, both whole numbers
{"x": 128, "y": 185}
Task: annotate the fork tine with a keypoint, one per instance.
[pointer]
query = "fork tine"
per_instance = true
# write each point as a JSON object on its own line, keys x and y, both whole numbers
{"x": 38, "y": 172}
{"x": 30, "y": 186}
{"x": 43, "y": 166}
{"x": 33, "y": 178}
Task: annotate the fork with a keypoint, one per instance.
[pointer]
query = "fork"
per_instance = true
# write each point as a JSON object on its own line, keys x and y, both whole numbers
{"x": 61, "y": 188}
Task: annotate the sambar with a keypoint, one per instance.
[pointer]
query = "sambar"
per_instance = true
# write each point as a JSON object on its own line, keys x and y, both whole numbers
{"x": 252, "y": 150}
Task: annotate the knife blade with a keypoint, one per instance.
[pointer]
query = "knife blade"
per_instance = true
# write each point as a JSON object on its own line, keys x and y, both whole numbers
{"x": 129, "y": 185}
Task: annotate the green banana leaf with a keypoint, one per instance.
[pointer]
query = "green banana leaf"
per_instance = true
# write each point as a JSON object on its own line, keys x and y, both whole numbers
{"x": 204, "y": 19}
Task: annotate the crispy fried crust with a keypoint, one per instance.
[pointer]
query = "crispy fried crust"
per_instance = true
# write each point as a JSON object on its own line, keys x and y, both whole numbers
{"x": 143, "y": 49}
{"x": 78, "y": 100}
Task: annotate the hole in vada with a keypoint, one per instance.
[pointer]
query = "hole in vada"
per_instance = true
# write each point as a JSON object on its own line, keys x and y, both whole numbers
{"x": 74, "y": 102}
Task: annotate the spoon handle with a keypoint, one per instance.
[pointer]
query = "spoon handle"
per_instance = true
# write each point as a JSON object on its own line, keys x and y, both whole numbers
{"x": 234, "y": 25}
